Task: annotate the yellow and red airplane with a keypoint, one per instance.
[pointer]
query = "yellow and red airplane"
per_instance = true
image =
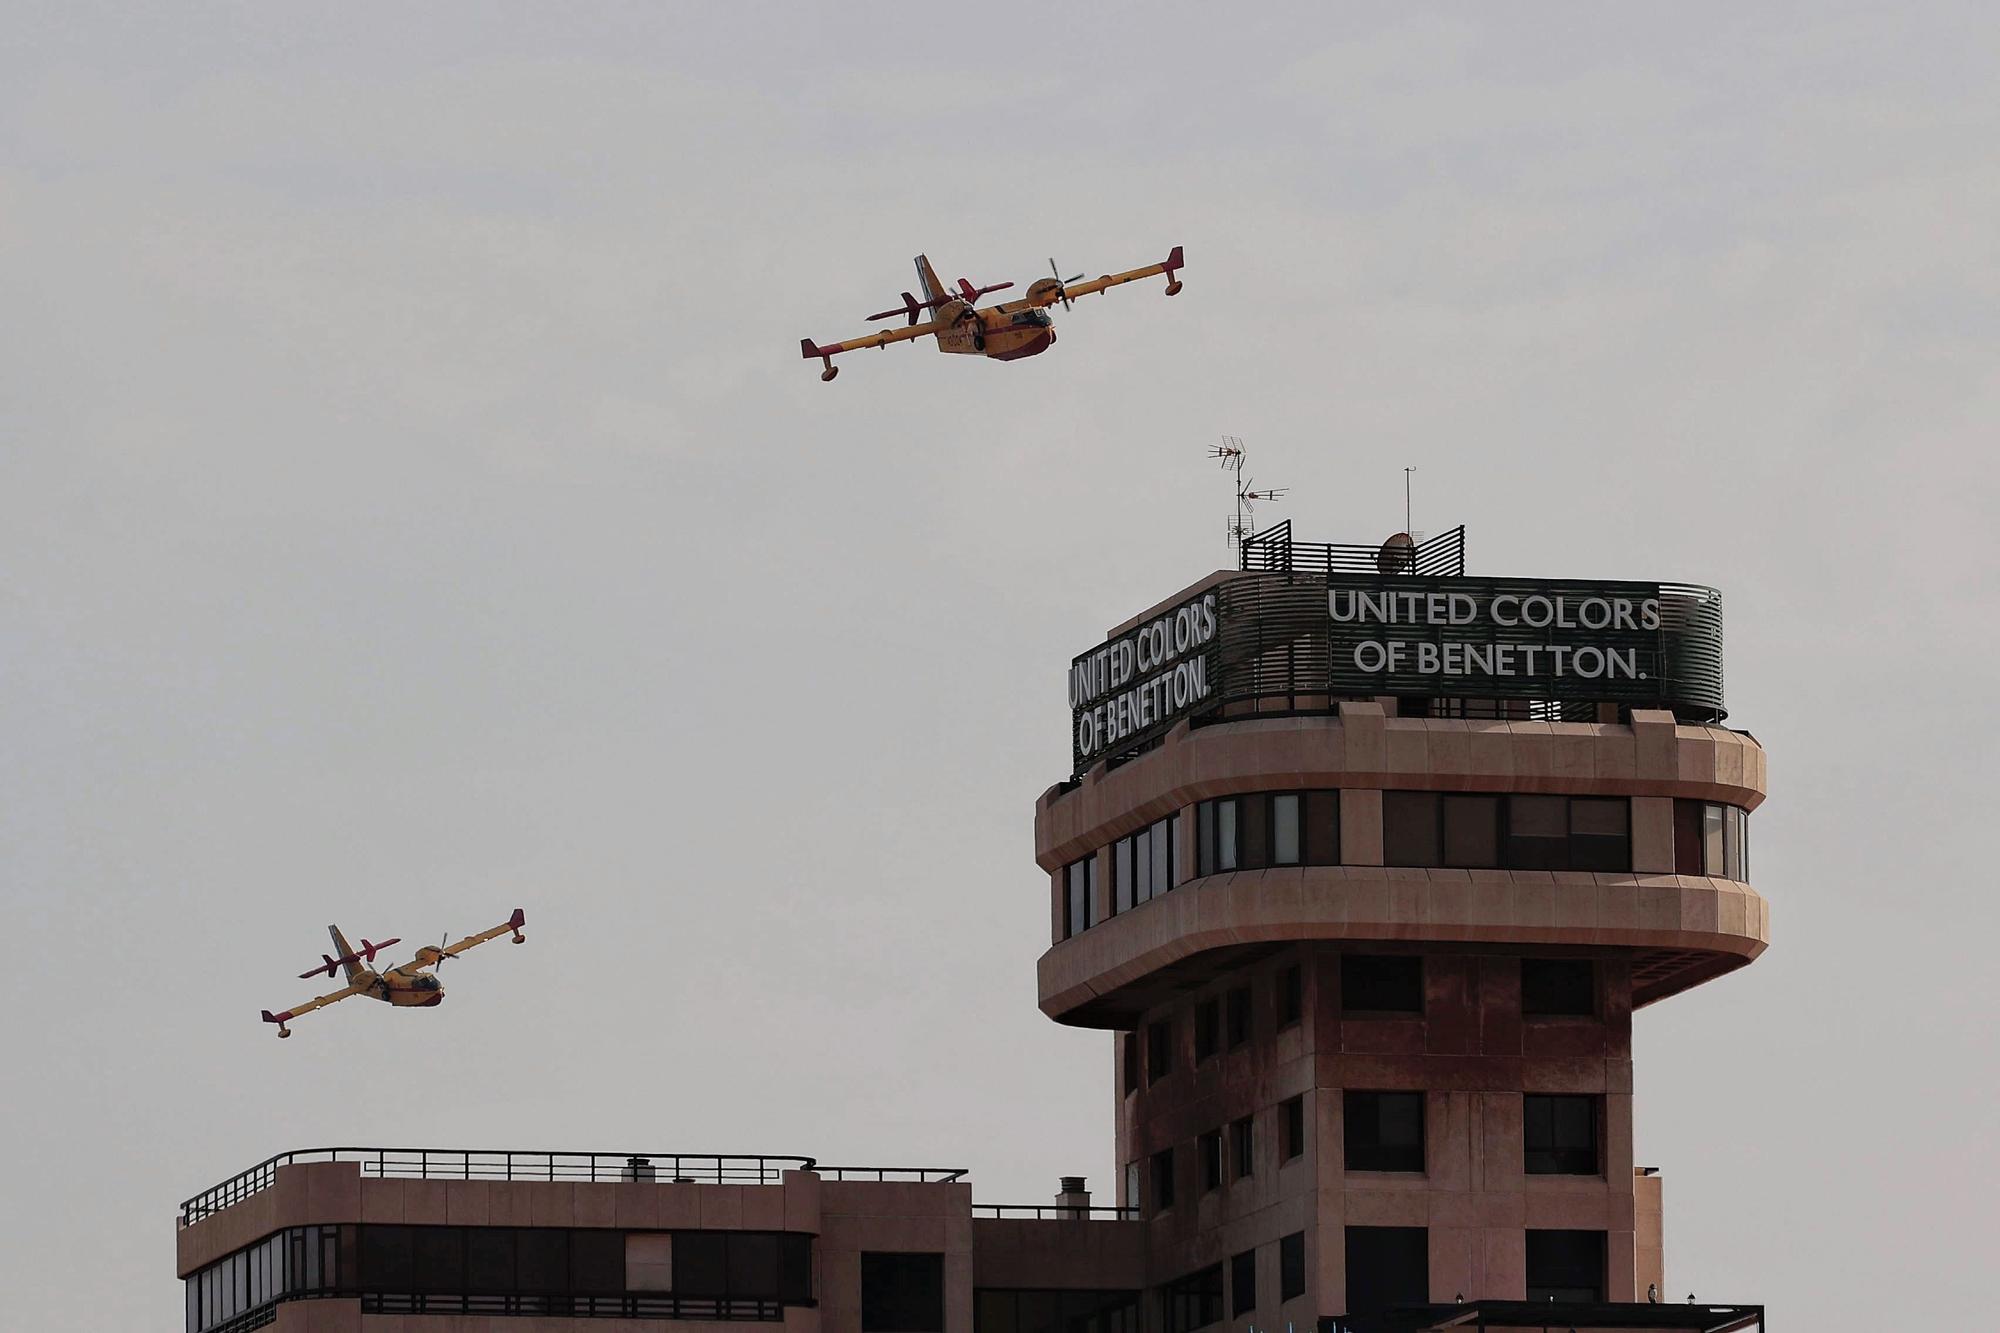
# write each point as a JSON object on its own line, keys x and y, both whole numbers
{"x": 1005, "y": 332}
{"x": 408, "y": 986}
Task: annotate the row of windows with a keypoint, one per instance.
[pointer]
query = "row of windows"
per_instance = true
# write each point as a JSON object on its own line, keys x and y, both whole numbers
{"x": 1386, "y": 1266}
{"x": 1448, "y": 830}
{"x": 1197, "y": 1299}
{"x": 296, "y": 1262}
{"x": 1370, "y": 984}
{"x": 1380, "y": 1131}
{"x": 503, "y": 1262}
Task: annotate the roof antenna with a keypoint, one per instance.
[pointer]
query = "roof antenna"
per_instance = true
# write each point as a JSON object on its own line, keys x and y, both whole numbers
{"x": 1244, "y": 524}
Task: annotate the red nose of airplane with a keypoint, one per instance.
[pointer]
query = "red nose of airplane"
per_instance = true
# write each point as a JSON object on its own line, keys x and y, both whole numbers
{"x": 434, "y": 1000}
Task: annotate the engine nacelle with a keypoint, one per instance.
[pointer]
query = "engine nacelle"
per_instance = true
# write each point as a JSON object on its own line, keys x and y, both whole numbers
{"x": 1045, "y": 291}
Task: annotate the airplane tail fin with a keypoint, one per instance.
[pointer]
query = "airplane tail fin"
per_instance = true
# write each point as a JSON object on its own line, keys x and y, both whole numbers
{"x": 343, "y": 952}
{"x": 933, "y": 289}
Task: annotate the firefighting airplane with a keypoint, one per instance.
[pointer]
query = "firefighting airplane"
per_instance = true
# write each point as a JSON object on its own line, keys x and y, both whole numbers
{"x": 405, "y": 986}
{"x": 1005, "y": 332}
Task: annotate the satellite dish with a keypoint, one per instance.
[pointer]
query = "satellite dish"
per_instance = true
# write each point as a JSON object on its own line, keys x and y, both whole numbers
{"x": 1398, "y": 555}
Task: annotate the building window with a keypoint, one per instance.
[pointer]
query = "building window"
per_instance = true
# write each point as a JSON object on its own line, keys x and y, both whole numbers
{"x": 1163, "y": 1180}
{"x": 1128, "y": 1043}
{"x": 1291, "y": 828}
{"x": 1207, "y": 1030}
{"x": 1159, "y": 1050}
{"x": 1383, "y": 1131}
{"x": 1292, "y": 1266}
{"x": 1382, "y": 983}
{"x": 1558, "y": 988}
{"x": 1566, "y": 1266}
{"x": 1387, "y": 1266}
{"x": 1079, "y": 896}
{"x": 1215, "y": 835}
{"x": 1291, "y": 995}
{"x": 1132, "y": 1197}
{"x": 902, "y": 1293}
{"x": 1559, "y": 1135}
{"x": 1208, "y": 1148}
{"x": 1237, "y": 1003}
{"x": 1242, "y": 1147}
{"x": 1711, "y": 839}
{"x": 1144, "y": 865}
{"x": 1192, "y": 1302}
{"x": 1243, "y": 1283}
{"x": 1294, "y": 1141}
{"x": 1484, "y": 832}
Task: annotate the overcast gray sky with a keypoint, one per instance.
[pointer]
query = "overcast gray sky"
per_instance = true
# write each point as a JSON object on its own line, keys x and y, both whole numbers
{"x": 413, "y": 504}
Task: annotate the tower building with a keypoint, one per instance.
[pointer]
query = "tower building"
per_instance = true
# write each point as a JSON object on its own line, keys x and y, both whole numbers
{"x": 1366, "y": 866}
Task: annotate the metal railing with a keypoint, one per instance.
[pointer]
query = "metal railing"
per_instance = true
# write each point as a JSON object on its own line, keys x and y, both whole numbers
{"x": 1059, "y": 1211}
{"x": 506, "y": 1164}
{"x": 1273, "y": 550}
{"x": 632, "y": 1305}
{"x": 920, "y": 1175}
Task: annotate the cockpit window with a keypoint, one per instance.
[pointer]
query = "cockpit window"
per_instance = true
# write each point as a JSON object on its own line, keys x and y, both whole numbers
{"x": 427, "y": 982}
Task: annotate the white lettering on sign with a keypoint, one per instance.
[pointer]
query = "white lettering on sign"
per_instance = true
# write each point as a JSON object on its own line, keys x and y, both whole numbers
{"x": 1464, "y": 612}
{"x": 1144, "y": 677}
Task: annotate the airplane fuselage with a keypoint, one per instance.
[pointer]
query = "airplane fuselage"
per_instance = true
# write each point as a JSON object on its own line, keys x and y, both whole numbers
{"x": 403, "y": 989}
{"x": 992, "y": 333}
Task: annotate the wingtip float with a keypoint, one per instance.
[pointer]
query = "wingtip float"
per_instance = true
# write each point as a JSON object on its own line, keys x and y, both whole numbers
{"x": 411, "y": 985}
{"x": 1009, "y": 331}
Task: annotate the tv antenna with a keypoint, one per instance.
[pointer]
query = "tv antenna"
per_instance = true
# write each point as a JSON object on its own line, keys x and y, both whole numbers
{"x": 1232, "y": 453}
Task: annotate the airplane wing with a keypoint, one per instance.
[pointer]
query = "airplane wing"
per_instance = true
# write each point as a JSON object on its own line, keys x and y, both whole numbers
{"x": 317, "y": 1002}
{"x": 1046, "y": 291}
{"x": 512, "y": 923}
{"x": 809, "y": 349}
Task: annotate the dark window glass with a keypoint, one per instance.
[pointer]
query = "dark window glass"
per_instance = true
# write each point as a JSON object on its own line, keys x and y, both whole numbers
{"x": 1471, "y": 831}
{"x": 901, "y": 1293}
{"x": 1294, "y": 1119}
{"x": 1242, "y": 1147}
{"x": 1194, "y": 1301}
{"x": 1079, "y": 880}
{"x": 1409, "y": 828}
{"x": 1238, "y": 1004}
{"x": 597, "y": 1261}
{"x": 1121, "y": 876}
{"x": 1207, "y": 1030}
{"x": 753, "y": 1264}
{"x": 1142, "y": 866}
{"x": 437, "y": 1259}
{"x": 1382, "y": 983}
{"x": 1165, "y": 835}
{"x": 1735, "y": 844}
{"x": 386, "y": 1262}
{"x": 541, "y": 1259}
{"x": 1163, "y": 1180}
{"x": 1687, "y": 838}
{"x": 1558, "y": 986}
{"x": 701, "y": 1263}
{"x": 1600, "y": 833}
{"x": 1565, "y": 1265}
{"x": 1559, "y": 1135}
{"x": 1254, "y": 846}
{"x": 1209, "y": 1149}
{"x": 489, "y": 1260}
{"x": 1159, "y": 1050}
{"x": 1322, "y": 828}
{"x": 1204, "y": 838}
{"x": 1243, "y": 1283}
{"x": 1129, "y": 1044}
{"x": 795, "y": 1269}
{"x": 1291, "y": 995}
{"x": 1538, "y": 833}
{"x": 1387, "y": 1266}
{"x": 1383, "y": 1131}
{"x": 1227, "y": 841}
{"x": 1292, "y": 1266}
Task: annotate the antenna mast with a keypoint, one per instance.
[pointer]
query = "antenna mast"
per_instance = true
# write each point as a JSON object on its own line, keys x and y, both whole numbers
{"x": 1244, "y": 524}
{"x": 1406, "y": 500}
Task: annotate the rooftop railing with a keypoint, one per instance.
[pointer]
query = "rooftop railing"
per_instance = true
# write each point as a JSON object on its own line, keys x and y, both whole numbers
{"x": 506, "y": 1164}
{"x": 1056, "y": 1211}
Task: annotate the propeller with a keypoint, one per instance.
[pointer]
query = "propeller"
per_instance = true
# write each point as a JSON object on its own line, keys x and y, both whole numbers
{"x": 443, "y": 957}
{"x": 1062, "y": 283}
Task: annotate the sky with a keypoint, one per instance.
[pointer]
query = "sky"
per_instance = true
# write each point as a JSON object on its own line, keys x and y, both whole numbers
{"x": 413, "y": 505}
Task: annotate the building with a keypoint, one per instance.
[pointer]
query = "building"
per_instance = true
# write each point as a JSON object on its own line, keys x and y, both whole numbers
{"x": 1365, "y": 863}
